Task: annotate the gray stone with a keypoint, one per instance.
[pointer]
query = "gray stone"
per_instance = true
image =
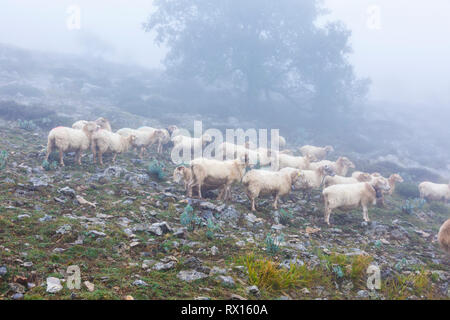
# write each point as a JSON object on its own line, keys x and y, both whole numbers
{"x": 3, "y": 271}
{"x": 191, "y": 275}
{"x": 362, "y": 294}
{"x": 254, "y": 290}
{"x": 53, "y": 285}
{"x": 159, "y": 266}
{"x": 67, "y": 192}
{"x": 227, "y": 281}
{"x": 140, "y": 283}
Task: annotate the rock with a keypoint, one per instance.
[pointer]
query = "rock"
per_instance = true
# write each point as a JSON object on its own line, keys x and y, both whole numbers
{"x": 202, "y": 298}
{"x": 237, "y": 297}
{"x": 254, "y": 290}
{"x": 68, "y": 192}
{"x": 129, "y": 298}
{"x": 305, "y": 291}
{"x": 64, "y": 229}
{"x": 28, "y": 264}
{"x": 45, "y": 218}
{"x": 227, "y": 281}
{"x": 362, "y": 294}
{"x": 23, "y": 216}
{"x": 16, "y": 287}
{"x": 164, "y": 266}
{"x": 191, "y": 275}
{"x": 160, "y": 228}
{"x": 114, "y": 171}
{"x": 95, "y": 233}
{"x": 3, "y": 271}
{"x": 53, "y": 285}
{"x": 214, "y": 250}
{"x": 89, "y": 286}
{"x": 148, "y": 263}
{"x": 17, "y": 296}
{"x": 217, "y": 270}
{"x": 38, "y": 183}
{"x": 140, "y": 283}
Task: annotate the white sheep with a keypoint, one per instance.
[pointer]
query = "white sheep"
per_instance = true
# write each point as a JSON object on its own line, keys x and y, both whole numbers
{"x": 216, "y": 172}
{"x": 362, "y": 177}
{"x": 288, "y": 161}
{"x": 189, "y": 143}
{"x": 160, "y": 136}
{"x": 262, "y": 182}
{"x": 349, "y": 196}
{"x": 104, "y": 141}
{"x": 182, "y": 174}
{"x": 68, "y": 139}
{"x": 102, "y": 122}
{"x": 434, "y": 191}
{"x": 313, "y": 179}
{"x": 316, "y": 153}
{"x": 393, "y": 179}
{"x": 340, "y": 166}
{"x": 444, "y": 236}
{"x": 143, "y": 138}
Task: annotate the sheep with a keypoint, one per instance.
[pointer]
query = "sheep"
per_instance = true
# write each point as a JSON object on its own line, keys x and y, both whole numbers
{"x": 349, "y": 196}
{"x": 216, "y": 172}
{"x": 143, "y": 138}
{"x": 313, "y": 179}
{"x": 288, "y": 161}
{"x": 362, "y": 177}
{"x": 189, "y": 143}
{"x": 69, "y": 139}
{"x": 317, "y": 153}
{"x": 340, "y": 167}
{"x": 444, "y": 236}
{"x": 393, "y": 179}
{"x": 261, "y": 182}
{"x": 182, "y": 174}
{"x": 102, "y": 122}
{"x": 232, "y": 151}
{"x": 162, "y": 136}
{"x": 433, "y": 191}
{"x": 105, "y": 141}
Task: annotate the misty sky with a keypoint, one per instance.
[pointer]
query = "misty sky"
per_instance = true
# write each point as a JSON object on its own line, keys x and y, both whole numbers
{"x": 407, "y": 57}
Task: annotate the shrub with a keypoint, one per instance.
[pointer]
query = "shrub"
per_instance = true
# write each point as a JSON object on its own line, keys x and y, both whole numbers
{"x": 273, "y": 244}
{"x": 156, "y": 169}
{"x": 286, "y": 216}
{"x": 189, "y": 219}
{"x": 27, "y": 125}
{"x": 49, "y": 166}
{"x": 408, "y": 206}
{"x": 211, "y": 228}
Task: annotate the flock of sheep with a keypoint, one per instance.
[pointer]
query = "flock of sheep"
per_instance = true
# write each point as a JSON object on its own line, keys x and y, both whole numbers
{"x": 307, "y": 172}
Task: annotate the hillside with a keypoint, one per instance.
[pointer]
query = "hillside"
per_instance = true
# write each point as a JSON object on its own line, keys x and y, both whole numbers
{"x": 130, "y": 237}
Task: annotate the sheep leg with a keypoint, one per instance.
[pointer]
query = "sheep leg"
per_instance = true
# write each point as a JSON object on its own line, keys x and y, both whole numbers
{"x": 327, "y": 215}
{"x": 141, "y": 154}
{"x": 94, "y": 153}
{"x": 275, "y": 203}
{"x": 61, "y": 155}
{"x": 253, "y": 204}
{"x": 49, "y": 150}
{"x": 365, "y": 214}
{"x": 78, "y": 157}
{"x": 199, "y": 190}
{"x": 100, "y": 158}
{"x": 114, "y": 157}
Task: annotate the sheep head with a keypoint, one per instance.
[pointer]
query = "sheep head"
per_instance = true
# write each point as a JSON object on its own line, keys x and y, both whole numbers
{"x": 326, "y": 170}
{"x": 103, "y": 123}
{"x": 178, "y": 174}
{"x": 396, "y": 178}
{"x": 363, "y": 177}
{"x": 345, "y": 162}
{"x": 172, "y": 128}
{"x": 329, "y": 149}
{"x": 91, "y": 127}
{"x": 380, "y": 184}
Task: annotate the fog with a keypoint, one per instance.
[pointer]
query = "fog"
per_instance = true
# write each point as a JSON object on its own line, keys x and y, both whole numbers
{"x": 407, "y": 58}
{"x": 402, "y": 47}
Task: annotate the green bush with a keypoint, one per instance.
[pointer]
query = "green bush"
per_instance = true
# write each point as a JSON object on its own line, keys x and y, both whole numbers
{"x": 189, "y": 219}
{"x": 156, "y": 169}
{"x": 273, "y": 244}
{"x": 211, "y": 228}
{"x": 27, "y": 125}
{"x": 49, "y": 166}
{"x": 286, "y": 216}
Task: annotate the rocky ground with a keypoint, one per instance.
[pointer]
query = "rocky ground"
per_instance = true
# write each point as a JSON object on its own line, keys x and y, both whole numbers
{"x": 133, "y": 236}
